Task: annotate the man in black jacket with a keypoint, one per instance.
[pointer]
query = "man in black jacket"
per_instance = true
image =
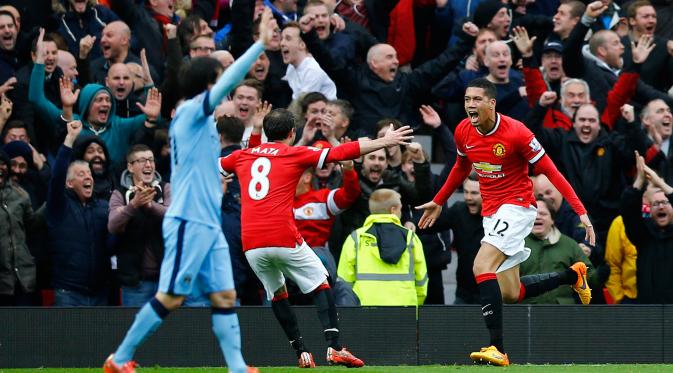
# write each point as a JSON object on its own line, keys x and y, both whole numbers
{"x": 652, "y": 237}
{"x": 378, "y": 89}
{"x": 77, "y": 231}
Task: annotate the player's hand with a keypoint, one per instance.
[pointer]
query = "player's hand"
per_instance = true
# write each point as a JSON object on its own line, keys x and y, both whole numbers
{"x": 68, "y": 97}
{"x": 85, "y": 46}
{"x": 642, "y": 51}
{"x": 400, "y": 136}
{"x": 152, "y": 107}
{"x": 430, "y": 116}
{"x": 523, "y": 43}
{"x": 267, "y": 27}
{"x": 430, "y": 214}
{"x": 547, "y": 98}
{"x": 595, "y": 9}
{"x": 590, "y": 235}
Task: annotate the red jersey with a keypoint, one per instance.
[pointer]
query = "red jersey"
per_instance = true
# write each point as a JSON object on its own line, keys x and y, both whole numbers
{"x": 268, "y": 175}
{"x": 501, "y": 158}
{"x": 314, "y": 210}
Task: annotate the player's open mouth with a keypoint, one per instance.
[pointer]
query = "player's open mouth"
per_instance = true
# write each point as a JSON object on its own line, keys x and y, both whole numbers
{"x": 473, "y": 115}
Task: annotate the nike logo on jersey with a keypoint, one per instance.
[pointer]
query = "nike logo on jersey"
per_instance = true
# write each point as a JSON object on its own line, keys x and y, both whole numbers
{"x": 469, "y": 147}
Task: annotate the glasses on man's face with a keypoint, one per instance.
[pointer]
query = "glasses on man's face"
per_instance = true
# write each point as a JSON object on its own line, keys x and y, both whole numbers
{"x": 142, "y": 160}
{"x": 660, "y": 203}
{"x": 204, "y": 49}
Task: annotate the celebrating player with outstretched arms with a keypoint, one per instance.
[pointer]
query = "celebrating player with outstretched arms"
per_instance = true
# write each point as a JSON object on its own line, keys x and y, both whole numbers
{"x": 500, "y": 150}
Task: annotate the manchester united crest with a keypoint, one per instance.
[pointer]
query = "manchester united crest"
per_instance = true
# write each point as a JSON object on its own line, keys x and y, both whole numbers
{"x": 499, "y": 150}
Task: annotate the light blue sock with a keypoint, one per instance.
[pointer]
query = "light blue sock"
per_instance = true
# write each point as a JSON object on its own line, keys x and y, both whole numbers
{"x": 228, "y": 333}
{"x": 147, "y": 321}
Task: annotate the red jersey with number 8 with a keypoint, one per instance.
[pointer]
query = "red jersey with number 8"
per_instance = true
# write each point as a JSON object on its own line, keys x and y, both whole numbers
{"x": 501, "y": 158}
{"x": 268, "y": 175}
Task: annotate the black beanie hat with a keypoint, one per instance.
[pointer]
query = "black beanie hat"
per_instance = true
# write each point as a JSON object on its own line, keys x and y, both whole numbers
{"x": 485, "y": 12}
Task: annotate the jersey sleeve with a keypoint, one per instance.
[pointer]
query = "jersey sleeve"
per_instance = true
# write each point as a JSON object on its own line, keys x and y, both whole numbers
{"x": 308, "y": 156}
{"x": 459, "y": 138}
{"x": 531, "y": 149}
{"x": 227, "y": 164}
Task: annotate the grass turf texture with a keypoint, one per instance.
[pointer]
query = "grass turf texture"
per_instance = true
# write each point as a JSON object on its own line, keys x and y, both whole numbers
{"x": 607, "y": 368}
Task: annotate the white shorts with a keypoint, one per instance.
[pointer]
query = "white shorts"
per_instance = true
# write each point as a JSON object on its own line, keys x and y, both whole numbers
{"x": 507, "y": 229}
{"x": 300, "y": 264}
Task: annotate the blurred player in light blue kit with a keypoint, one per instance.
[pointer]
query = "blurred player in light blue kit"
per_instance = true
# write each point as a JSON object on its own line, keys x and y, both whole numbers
{"x": 196, "y": 255}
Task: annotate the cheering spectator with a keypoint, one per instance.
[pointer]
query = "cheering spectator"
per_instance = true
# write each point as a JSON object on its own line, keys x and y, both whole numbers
{"x": 80, "y": 18}
{"x": 77, "y": 229}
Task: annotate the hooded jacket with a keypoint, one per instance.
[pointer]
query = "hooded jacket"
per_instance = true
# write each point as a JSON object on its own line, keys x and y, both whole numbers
{"x": 117, "y": 133}
{"x": 140, "y": 248}
{"x": 385, "y": 263}
{"x": 104, "y": 183}
{"x": 77, "y": 234}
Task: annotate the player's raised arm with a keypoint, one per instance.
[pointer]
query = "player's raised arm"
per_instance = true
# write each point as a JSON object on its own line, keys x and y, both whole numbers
{"x": 545, "y": 166}
{"x": 354, "y": 149}
{"x": 236, "y": 72}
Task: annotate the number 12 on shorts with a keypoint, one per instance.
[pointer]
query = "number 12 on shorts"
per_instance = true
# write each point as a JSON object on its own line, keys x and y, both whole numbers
{"x": 503, "y": 227}
{"x": 259, "y": 182}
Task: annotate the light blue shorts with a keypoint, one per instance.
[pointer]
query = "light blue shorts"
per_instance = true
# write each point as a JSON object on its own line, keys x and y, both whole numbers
{"x": 196, "y": 259}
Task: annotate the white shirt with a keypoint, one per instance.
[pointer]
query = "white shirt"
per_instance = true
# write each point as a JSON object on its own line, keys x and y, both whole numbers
{"x": 309, "y": 77}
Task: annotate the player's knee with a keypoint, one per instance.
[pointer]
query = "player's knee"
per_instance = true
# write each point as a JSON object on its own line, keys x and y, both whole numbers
{"x": 510, "y": 296}
{"x": 224, "y": 299}
{"x": 170, "y": 301}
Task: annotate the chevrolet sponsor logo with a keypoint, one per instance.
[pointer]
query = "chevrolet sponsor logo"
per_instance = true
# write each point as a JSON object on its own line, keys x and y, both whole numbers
{"x": 486, "y": 167}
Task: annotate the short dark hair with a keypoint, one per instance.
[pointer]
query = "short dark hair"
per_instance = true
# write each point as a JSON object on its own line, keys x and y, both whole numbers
{"x": 633, "y": 8}
{"x": 385, "y": 123}
{"x": 577, "y": 8}
{"x": 197, "y": 74}
{"x": 483, "y": 83}
{"x": 345, "y": 107}
{"x": 47, "y": 38}
{"x": 278, "y": 124}
{"x": 137, "y": 148}
{"x": 549, "y": 204}
{"x": 473, "y": 176}
{"x": 252, "y": 83}
{"x": 15, "y": 123}
{"x": 311, "y": 98}
{"x": 231, "y": 128}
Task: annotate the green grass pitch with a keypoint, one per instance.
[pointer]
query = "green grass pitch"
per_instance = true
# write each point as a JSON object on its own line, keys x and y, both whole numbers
{"x": 603, "y": 368}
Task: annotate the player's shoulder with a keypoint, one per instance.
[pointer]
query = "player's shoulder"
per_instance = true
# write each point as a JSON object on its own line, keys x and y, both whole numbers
{"x": 463, "y": 127}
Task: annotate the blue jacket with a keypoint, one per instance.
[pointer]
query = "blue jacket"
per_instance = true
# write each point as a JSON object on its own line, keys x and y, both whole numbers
{"x": 73, "y": 27}
{"x": 117, "y": 133}
{"x": 77, "y": 234}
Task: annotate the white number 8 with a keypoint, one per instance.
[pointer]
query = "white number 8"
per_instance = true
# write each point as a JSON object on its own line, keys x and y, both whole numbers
{"x": 259, "y": 184}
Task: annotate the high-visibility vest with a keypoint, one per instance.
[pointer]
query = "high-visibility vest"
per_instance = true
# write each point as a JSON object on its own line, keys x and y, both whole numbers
{"x": 376, "y": 282}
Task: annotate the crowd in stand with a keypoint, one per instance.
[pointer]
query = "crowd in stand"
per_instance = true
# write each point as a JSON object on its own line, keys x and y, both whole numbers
{"x": 80, "y": 217}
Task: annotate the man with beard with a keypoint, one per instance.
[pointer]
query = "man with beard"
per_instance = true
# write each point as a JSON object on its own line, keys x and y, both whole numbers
{"x": 653, "y": 237}
{"x": 9, "y": 60}
{"x": 374, "y": 174}
{"x": 17, "y": 266}
{"x": 95, "y": 110}
{"x": 92, "y": 150}
{"x": 77, "y": 231}
{"x": 28, "y": 170}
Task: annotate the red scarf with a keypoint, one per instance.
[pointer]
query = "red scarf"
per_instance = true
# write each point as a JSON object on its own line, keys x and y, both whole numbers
{"x": 163, "y": 20}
